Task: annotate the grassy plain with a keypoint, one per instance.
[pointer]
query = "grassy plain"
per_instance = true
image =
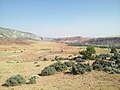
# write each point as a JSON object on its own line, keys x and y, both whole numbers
{"x": 22, "y": 59}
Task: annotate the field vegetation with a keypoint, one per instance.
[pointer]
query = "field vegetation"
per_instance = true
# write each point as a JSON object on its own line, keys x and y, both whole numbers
{"x": 56, "y": 66}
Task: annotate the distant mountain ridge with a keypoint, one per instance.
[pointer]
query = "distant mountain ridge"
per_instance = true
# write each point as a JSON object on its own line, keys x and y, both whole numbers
{"x": 71, "y": 39}
{"x": 11, "y": 35}
{"x": 6, "y": 33}
{"x": 115, "y": 40}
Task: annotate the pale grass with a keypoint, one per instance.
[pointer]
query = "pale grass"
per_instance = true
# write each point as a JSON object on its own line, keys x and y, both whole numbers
{"x": 24, "y": 63}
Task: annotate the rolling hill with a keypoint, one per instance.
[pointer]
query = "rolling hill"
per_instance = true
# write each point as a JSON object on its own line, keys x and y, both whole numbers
{"x": 6, "y": 33}
{"x": 9, "y": 36}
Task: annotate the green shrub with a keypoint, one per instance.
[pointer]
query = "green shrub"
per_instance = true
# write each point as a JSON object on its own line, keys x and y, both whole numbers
{"x": 113, "y": 50}
{"x": 100, "y": 64}
{"x": 117, "y": 61}
{"x": 35, "y": 62}
{"x": 88, "y": 53}
{"x": 79, "y": 60}
{"x": 115, "y": 57}
{"x": 48, "y": 71}
{"x": 104, "y": 56}
{"x": 80, "y": 68}
{"x": 88, "y": 57}
{"x": 77, "y": 70}
{"x": 106, "y": 66}
{"x": 61, "y": 58}
{"x": 45, "y": 59}
{"x": 70, "y": 56}
{"x": 112, "y": 70}
{"x": 55, "y": 64}
{"x": 32, "y": 80}
{"x": 56, "y": 57}
{"x": 15, "y": 80}
{"x": 59, "y": 66}
{"x": 69, "y": 64}
{"x": 37, "y": 65}
{"x": 76, "y": 58}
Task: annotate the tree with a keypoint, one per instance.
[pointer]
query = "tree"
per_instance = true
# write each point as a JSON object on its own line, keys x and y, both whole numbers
{"x": 113, "y": 50}
{"x": 91, "y": 49}
{"x": 88, "y": 53}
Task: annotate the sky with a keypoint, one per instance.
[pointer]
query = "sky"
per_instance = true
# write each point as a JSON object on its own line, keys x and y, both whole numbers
{"x": 62, "y": 18}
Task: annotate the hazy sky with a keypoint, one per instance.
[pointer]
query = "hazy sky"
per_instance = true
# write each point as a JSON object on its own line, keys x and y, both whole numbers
{"x": 59, "y": 18}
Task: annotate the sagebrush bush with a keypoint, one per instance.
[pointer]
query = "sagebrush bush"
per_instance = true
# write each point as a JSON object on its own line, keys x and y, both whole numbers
{"x": 112, "y": 70}
{"x": 32, "y": 80}
{"x": 104, "y": 56}
{"x": 100, "y": 64}
{"x": 80, "y": 68}
{"x": 77, "y": 70}
{"x": 15, "y": 80}
{"x": 115, "y": 57}
{"x": 118, "y": 62}
{"x": 48, "y": 71}
{"x": 106, "y": 66}
{"x": 69, "y": 64}
{"x": 59, "y": 67}
{"x": 79, "y": 60}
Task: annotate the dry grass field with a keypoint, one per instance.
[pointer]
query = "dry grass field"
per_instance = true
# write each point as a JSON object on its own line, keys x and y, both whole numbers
{"x": 22, "y": 59}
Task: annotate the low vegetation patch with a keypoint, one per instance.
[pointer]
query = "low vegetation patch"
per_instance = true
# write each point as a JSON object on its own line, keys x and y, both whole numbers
{"x": 38, "y": 65}
{"x": 103, "y": 56}
{"x": 15, "y": 80}
{"x": 59, "y": 66}
{"x": 45, "y": 59}
{"x": 57, "y": 58}
{"x": 52, "y": 69}
{"x": 80, "y": 68}
{"x": 69, "y": 64}
{"x": 106, "y": 66}
{"x": 48, "y": 71}
{"x": 32, "y": 80}
{"x": 78, "y": 59}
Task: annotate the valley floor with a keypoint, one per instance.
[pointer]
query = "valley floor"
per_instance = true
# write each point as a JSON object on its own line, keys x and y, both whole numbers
{"x": 17, "y": 59}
